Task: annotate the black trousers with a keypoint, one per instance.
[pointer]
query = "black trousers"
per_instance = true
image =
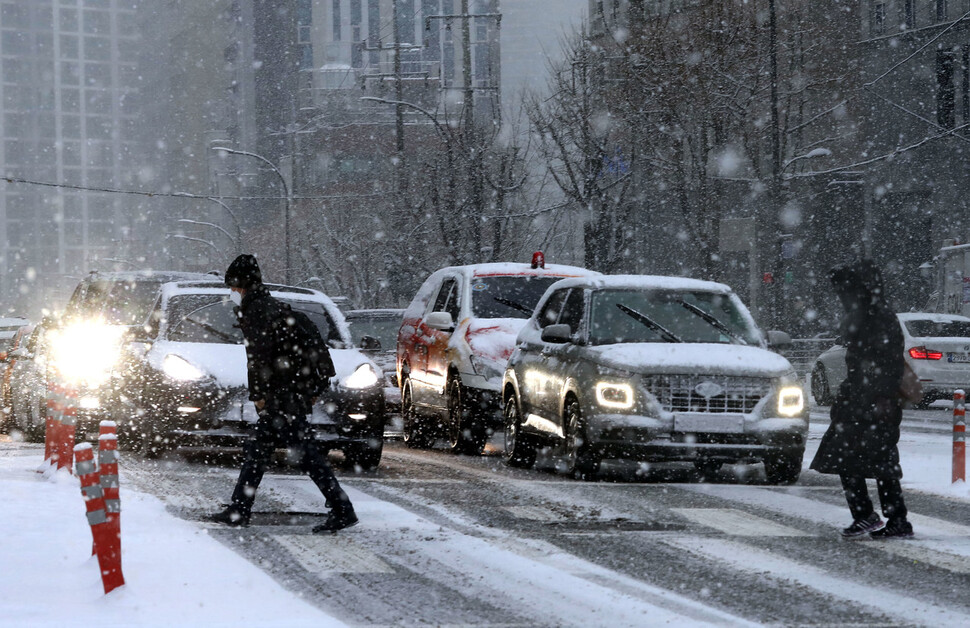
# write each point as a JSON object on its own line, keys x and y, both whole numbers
{"x": 277, "y": 428}
{"x": 890, "y": 497}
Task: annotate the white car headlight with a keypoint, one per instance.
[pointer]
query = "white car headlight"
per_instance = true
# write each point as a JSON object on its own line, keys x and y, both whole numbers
{"x": 85, "y": 352}
{"x": 364, "y": 377}
{"x": 791, "y": 400}
{"x": 613, "y": 395}
{"x": 178, "y": 368}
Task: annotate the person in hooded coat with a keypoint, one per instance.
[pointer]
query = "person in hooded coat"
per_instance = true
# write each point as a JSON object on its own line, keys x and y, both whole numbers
{"x": 283, "y": 394}
{"x": 861, "y": 440}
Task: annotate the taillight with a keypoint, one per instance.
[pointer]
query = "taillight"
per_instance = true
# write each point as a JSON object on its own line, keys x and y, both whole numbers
{"x": 922, "y": 353}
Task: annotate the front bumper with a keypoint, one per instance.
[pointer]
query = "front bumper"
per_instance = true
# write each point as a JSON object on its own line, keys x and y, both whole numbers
{"x": 738, "y": 438}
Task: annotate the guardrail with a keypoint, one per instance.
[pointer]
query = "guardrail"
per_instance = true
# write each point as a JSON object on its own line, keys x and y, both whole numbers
{"x": 804, "y": 351}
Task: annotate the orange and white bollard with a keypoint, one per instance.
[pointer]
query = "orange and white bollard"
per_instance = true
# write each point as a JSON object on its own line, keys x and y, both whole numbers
{"x": 67, "y": 437}
{"x": 52, "y": 430}
{"x": 959, "y": 436}
{"x": 108, "y": 473}
{"x": 109, "y": 553}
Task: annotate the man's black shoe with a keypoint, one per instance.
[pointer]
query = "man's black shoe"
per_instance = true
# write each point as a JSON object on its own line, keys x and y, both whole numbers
{"x": 336, "y": 521}
{"x": 230, "y": 518}
{"x": 860, "y": 527}
{"x": 894, "y": 530}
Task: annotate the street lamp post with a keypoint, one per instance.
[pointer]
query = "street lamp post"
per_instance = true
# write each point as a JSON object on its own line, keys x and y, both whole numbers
{"x": 235, "y": 222}
{"x": 286, "y": 198}
{"x": 210, "y": 224}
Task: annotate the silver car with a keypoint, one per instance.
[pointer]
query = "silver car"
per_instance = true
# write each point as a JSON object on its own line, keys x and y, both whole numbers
{"x": 651, "y": 369}
{"x": 936, "y": 347}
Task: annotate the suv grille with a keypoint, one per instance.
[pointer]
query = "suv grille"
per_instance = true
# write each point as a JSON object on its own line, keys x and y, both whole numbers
{"x": 707, "y": 393}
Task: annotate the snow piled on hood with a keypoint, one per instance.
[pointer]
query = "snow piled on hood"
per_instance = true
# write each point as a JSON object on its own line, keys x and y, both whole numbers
{"x": 679, "y": 358}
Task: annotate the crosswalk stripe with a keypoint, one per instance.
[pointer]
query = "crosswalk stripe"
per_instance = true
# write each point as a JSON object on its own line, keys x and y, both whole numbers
{"x": 534, "y": 513}
{"x": 329, "y": 555}
{"x": 917, "y": 552}
{"x": 750, "y": 559}
{"x": 736, "y": 522}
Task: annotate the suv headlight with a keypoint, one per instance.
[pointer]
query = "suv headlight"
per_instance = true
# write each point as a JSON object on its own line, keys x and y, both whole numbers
{"x": 364, "y": 377}
{"x": 487, "y": 368}
{"x": 614, "y": 395}
{"x": 791, "y": 400}
{"x": 85, "y": 352}
{"x": 180, "y": 369}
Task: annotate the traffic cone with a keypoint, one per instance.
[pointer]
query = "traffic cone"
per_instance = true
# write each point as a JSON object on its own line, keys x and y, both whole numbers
{"x": 109, "y": 556}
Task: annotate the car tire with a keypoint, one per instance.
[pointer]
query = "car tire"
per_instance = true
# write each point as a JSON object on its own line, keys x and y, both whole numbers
{"x": 466, "y": 431}
{"x": 821, "y": 390}
{"x": 414, "y": 433}
{"x": 367, "y": 455}
{"x": 520, "y": 449}
{"x": 783, "y": 467}
{"x": 578, "y": 459}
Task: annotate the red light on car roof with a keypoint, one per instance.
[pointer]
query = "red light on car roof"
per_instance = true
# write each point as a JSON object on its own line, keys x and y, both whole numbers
{"x": 538, "y": 260}
{"x": 922, "y": 353}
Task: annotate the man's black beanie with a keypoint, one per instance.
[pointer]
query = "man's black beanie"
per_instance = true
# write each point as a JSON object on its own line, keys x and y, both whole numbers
{"x": 244, "y": 273}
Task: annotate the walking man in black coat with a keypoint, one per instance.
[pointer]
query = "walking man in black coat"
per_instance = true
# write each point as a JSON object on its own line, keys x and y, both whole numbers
{"x": 285, "y": 378}
{"x": 861, "y": 441}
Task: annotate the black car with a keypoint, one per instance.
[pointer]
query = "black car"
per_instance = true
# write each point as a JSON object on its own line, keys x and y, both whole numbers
{"x": 187, "y": 386}
{"x": 375, "y": 333}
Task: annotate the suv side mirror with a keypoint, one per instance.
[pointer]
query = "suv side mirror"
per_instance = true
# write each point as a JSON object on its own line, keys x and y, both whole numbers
{"x": 779, "y": 340}
{"x": 369, "y": 343}
{"x": 439, "y": 320}
{"x": 557, "y": 334}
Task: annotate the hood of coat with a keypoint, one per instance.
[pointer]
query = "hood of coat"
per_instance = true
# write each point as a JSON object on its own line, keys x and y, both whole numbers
{"x": 859, "y": 285}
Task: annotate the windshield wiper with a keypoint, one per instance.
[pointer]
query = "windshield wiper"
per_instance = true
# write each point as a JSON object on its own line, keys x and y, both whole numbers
{"x": 649, "y": 322}
{"x": 209, "y": 328}
{"x": 716, "y": 324}
{"x": 514, "y": 305}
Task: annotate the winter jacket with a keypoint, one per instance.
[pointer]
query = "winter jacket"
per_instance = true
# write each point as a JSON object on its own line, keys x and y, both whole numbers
{"x": 862, "y": 437}
{"x": 281, "y": 368}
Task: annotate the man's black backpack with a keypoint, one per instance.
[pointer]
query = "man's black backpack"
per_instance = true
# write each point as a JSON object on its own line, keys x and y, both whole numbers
{"x": 308, "y": 353}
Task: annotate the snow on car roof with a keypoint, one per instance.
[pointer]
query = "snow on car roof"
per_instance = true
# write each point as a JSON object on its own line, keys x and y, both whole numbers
{"x": 13, "y": 322}
{"x": 376, "y": 313}
{"x": 495, "y": 269}
{"x": 932, "y": 316}
{"x": 644, "y": 282}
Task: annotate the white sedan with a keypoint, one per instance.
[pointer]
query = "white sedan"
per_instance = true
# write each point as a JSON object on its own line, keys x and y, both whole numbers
{"x": 936, "y": 346}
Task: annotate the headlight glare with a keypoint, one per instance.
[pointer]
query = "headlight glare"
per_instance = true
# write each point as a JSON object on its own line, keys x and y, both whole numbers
{"x": 791, "y": 401}
{"x": 364, "y": 377}
{"x": 85, "y": 352}
{"x": 611, "y": 395}
{"x": 178, "y": 368}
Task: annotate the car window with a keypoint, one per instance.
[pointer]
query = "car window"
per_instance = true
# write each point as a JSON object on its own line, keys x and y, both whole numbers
{"x": 938, "y": 329}
{"x": 508, "y": 296}
{"x": 448, "y": 300}
{"x": 384, "y": 329}
{"x": 553, "y": 306}
{"x": 609, "y": 324}
{"x": 572, "y": 312}
{"x": 130, "y": 302}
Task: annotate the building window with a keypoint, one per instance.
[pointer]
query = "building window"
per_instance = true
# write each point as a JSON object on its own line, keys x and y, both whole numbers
{"x": 877, "y": 18}
{"x": 944, "y": 89}
{"x": 909, "y": 13}
{"x": 336, "y": 20}
{"x": 941, "y": 10}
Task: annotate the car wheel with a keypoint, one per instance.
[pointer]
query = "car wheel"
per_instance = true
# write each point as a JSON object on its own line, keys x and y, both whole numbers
{"x": 520, "y": 449}
{"x": 466, "y": 431}
{"x": 708, "y": 468}
{"x": 783, "y": 467}
{"x": 367, "y": 455}
{"x": 415, "y": 434}
{"x": 578, "y": 459}
{"x": 820, "y": 386}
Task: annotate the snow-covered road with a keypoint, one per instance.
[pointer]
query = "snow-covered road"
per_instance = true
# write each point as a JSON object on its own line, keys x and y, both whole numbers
{"x": 448, "y": 540}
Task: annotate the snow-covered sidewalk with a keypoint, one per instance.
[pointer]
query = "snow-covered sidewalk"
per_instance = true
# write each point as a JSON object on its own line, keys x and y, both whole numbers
{"x": 177, "y": 575}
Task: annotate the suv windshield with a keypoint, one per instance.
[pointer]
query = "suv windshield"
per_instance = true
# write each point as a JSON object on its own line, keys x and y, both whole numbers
{"x": 493, "y": 297}
{"x": 210, "y": 318}
{"x": 610, "y": 324}
{"x": 938, "y": 329}
{"x": 119, "y": 302}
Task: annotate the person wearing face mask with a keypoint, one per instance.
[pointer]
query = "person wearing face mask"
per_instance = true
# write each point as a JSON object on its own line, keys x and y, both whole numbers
{"x": 284, "y": 382}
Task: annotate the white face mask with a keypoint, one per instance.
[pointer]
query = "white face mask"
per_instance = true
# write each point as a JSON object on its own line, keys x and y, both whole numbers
{"x": 236, "y": 298}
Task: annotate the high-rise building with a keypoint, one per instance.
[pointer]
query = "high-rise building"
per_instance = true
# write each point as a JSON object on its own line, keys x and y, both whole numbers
{"x": 68, "y": 98}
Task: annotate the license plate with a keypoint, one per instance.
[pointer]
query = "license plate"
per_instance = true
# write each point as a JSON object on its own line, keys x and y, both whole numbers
{"x": 709, "y": 423}
{"x": 959, "y": 358}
